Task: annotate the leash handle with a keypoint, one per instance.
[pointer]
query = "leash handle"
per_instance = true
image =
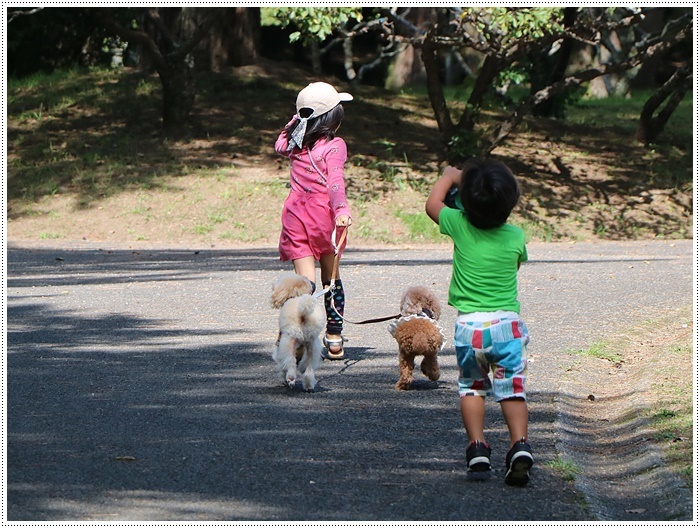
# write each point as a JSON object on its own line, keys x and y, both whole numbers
{"x": 336, "y": 261}
{"x": 336, "y": 247}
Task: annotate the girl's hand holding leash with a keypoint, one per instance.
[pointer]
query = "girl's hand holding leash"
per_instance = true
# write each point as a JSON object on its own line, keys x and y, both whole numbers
{"x": 343, "y": 221}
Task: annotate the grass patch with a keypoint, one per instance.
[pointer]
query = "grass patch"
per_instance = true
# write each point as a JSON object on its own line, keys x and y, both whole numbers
{"x": 566, "y": 470}
{"x": 600, "y": 350}
{"x": 660, "y": 351}
{"x": 420, "y": 226}
{"x": 672, "y": 417}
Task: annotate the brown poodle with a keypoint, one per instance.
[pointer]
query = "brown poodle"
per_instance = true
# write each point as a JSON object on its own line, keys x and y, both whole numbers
{"x": 418, "y": 334}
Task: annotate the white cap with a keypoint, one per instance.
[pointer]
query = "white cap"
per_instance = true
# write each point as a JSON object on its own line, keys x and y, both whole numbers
{"x": 320, "y": 97}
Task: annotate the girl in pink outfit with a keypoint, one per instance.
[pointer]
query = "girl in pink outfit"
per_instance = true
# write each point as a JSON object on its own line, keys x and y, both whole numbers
{"x": 316, "y": 207}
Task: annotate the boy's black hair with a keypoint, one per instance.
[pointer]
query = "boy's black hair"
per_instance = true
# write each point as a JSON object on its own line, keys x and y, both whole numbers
{"x": 488, "y": 191}
{"x": 323, "y": 126}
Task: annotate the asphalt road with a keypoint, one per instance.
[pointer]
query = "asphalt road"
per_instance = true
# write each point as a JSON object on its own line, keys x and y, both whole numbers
{"x": 140, "y": 387}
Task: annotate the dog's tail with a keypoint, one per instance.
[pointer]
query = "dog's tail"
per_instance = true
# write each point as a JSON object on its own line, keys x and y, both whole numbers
{"x": 307, "y": 305}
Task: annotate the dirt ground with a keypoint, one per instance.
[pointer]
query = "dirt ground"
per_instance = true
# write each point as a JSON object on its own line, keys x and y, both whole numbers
{"x": 106, "y": 173}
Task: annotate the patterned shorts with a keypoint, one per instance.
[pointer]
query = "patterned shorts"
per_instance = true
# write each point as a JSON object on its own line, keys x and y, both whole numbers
{"x": 499, "y": 345}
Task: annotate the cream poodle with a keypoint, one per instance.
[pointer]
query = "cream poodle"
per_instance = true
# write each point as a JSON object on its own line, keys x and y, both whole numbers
{"x": 418, "y": 334}
{"x": 301, "y": 320}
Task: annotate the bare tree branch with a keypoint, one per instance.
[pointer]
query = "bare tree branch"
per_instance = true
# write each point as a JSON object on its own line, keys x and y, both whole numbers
{"x": 674, "y": 90}
{"x": 503, "y": 130}
{"x": 14, "y": 14}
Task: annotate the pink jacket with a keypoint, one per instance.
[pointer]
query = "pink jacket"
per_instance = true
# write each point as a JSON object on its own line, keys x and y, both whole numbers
{"x": 329, "y": 157}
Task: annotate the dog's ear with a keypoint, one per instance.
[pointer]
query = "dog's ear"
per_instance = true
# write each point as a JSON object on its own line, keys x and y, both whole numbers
{"x": 432, "y": 303}
{"x": 302, "y": 286}
{"x": 436, "y": 309}
{"x": 278, "y": 297}
{"x": 280, "y": 291}
{"x": 288, "y": 286}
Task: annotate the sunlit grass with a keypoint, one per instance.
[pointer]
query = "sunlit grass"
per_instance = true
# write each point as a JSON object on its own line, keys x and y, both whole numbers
{"x": 565, "y": 469}
{"x": 600, "y": 350}
{"x": 420, "y": 226}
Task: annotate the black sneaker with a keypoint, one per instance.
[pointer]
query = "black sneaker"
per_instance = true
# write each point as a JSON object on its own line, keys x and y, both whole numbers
{"x": 518, "y": 463}
{"x": 478, "y": 454}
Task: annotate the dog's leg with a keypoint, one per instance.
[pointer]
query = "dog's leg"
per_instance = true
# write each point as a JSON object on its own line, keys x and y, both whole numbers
{"x": 287, "y": 362}
{"x": 429, "y": 366}
{"x": 406, "y": 365}
{"x": 309, "y": 380}
{"x": 309, "y": 363}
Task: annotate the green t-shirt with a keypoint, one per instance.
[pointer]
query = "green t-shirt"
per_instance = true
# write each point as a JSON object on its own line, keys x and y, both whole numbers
{"x": 484, "y": 264}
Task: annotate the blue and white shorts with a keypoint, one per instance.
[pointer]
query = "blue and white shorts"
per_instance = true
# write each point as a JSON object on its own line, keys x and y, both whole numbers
{"x": 497, "y": 344}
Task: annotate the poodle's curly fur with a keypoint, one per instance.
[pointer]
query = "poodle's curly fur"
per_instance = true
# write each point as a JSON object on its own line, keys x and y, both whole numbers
{"x": 418, "y": 334}
{"x": 301, "y": 320}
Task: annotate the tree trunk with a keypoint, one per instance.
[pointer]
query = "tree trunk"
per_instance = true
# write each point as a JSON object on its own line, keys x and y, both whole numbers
{"x": 316, "y": 57}
{"x": 178, "y": 84}
{"x": 554, "y": 107}
{"x": 234, "y": 38}
{"x": 245, "y": 38}
{"x": 347, "y": 59}
{"x": 435, "y": 92}
{"x": 674, "y": 90}
{"x": 171, "y": 55}
{"x": 406, "y": 69}
{"x": 489, "y": 71}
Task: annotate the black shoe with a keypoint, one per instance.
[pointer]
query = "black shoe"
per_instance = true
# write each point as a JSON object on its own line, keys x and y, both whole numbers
{"x": 478, "y": 454}
{"x": 518, "y": 463}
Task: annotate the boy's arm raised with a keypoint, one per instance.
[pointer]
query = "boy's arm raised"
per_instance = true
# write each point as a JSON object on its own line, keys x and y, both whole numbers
{"x": 436, "y": 200}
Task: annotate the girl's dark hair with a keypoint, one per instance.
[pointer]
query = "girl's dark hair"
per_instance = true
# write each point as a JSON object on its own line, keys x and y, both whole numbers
{"x": 488, "y": 192}
{"x": 323, "y": 126}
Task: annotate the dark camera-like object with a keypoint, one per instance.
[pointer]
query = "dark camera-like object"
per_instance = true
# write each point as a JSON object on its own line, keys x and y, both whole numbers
{"x": 452, "y": 199}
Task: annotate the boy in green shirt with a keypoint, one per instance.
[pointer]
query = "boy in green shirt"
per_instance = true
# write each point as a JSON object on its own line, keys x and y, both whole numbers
{"x": 489, "y": 334}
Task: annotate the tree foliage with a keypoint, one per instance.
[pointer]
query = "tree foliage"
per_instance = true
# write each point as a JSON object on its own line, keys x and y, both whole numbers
{"x": 312, "y": 25}
{"x": 506, "y": 39}
{"x": 524, "y": 60}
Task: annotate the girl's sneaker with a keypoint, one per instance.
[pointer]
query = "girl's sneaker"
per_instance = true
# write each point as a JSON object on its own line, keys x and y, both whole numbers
{"x": 478, "y": 454}
{"x": 518, "y": 463}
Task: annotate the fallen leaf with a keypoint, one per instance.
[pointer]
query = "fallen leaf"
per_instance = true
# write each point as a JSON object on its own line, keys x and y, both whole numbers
{"x": 126, "y": 458}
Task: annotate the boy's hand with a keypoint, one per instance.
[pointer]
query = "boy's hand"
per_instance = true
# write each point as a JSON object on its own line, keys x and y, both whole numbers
{"x": 453, "y": 174}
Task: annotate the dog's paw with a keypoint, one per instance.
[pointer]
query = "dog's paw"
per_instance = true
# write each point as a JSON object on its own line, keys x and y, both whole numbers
{"x": 403, "y": 385}
{"x": 290, "y": 382}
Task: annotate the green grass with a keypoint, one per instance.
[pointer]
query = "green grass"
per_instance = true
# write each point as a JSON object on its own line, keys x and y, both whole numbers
{"x": 672, "y": 419}
{"x": 566, "y": 470}
{"x": 536, "y": 230}
{"x": 420, "y": 226}
{"x": 600, "y": 350}
{"x": 623, "y": 112}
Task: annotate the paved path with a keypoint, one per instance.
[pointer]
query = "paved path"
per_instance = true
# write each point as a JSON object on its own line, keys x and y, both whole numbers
{"x": 140, "y": 387}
